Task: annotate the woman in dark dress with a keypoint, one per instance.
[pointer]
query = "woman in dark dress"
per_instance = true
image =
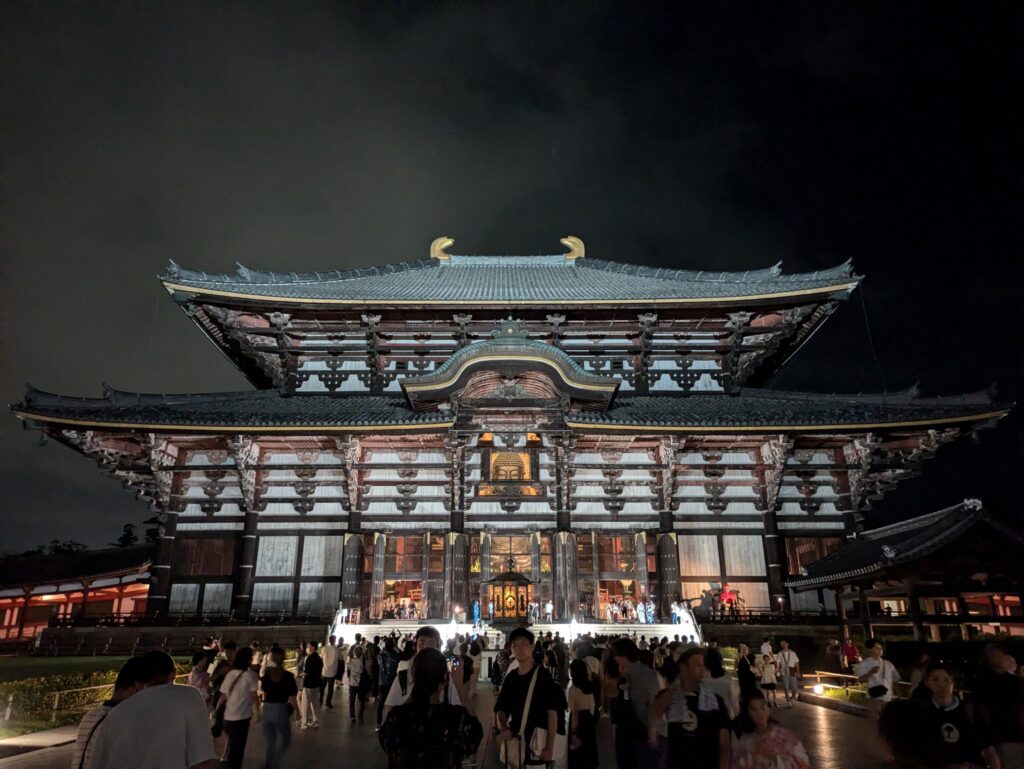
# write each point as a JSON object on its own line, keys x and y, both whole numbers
{"x": 582, "y": 718}
{"x": 745, "y": 673}
{"x": 425, "y": 732}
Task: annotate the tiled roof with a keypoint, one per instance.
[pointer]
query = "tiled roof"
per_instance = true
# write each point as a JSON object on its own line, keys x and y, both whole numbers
{"x": 269, "y": 409}
{"x": 752, "y": 408}
{"x": 871, "y": 552}
{"x": 540, "y": 279}
{"x": 39, "y": 568}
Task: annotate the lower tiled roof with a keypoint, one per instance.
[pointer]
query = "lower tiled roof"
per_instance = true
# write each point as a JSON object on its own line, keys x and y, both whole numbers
{"x": 42, "y": 568}
{"x": 749, "y": 409}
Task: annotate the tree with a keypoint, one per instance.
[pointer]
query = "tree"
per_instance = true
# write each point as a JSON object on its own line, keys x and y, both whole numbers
{"x": 57, "y": 547}
{"x": 128, "y": 536}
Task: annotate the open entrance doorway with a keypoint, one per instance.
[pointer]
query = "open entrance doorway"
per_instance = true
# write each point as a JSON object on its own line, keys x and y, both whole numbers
{"x": 403, "y": 599}
{"x": 617, "y": 600}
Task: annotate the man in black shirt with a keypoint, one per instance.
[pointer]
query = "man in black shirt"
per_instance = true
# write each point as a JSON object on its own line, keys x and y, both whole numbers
{"x": 698, "y": 723}
{"x": 313, "y": 668}
{"x": 999, "y": 696}
{"x": 546, "y": 707}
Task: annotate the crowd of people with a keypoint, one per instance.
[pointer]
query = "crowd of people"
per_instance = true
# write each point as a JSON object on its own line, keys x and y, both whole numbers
{"x": 672, "y": 703}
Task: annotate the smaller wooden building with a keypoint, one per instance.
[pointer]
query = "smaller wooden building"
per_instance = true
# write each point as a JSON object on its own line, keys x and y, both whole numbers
{"x": 39, "y": 590}
{"x": 955, "y": 568}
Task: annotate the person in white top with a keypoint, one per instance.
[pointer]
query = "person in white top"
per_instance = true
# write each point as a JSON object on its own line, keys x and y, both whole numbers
{"x": 329, "y": 654}
{"x": 129, "y": 681}
{"x": 766, "y": 647}
{"x": 240, "y": 698}
{"x": 162, "y": 727}
{"x": 789, "y": 666}
{"x": 549, "y": 611}
{"x": 879, "y": 674}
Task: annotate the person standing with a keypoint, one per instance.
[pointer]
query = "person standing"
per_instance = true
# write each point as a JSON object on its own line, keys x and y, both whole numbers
{"x": 956, "y": 736}
{"x": 387, "y": 670}
{"x": 426, "y": 731}
{"x": 162, "y": 726}
{"x": 549, "y": 611}
{"x": 239, "y": 690}
{"x": 280, "y": 693}
{"x": 529, "y": 690}
{"x": 329, "y": 654}
{"x": 130, "y": 680}
{"x": 879, "y": 674}
{"x": 312, "y": 673}
{"x": 789, "y": 667}
{"x": 768, "y": 673}
{"x": 745, "y": 673}
{"x": 582, "y": 718}
{"x": 764, "y": 744}
{"x": 999, "y": 695}
{"x": 698, "y": 723}
{"x": 639, "y": 738}
{"x": 199, "y": 677}
{"x": 356, "y": 674}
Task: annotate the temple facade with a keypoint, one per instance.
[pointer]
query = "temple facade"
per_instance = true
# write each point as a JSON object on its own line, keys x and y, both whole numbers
{"x": 415, "y": 429}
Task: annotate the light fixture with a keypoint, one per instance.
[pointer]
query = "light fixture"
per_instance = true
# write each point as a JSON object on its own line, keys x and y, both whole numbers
{"x": 818, "y": 689}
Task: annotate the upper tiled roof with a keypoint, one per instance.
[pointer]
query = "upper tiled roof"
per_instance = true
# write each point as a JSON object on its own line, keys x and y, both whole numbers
{"x": 871, "y": 552}
{"x": 750, "y": 410}
{"x": 511, "y": 279}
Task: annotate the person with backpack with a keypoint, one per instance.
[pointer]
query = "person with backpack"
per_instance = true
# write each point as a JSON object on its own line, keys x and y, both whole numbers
{"x": 131, "y": 678}
{"x": 238, "y": 705}
{"x": 427, "y": 732}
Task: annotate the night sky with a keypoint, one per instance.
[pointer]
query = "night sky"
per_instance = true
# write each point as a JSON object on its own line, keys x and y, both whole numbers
{"x": 719, "y": 136}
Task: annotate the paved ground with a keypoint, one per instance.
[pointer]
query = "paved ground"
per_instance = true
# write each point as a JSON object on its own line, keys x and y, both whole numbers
{"x": 834, "y": 740}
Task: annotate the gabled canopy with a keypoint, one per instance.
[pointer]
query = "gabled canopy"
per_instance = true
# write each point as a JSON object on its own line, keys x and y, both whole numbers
{"x": 513, "y": 356}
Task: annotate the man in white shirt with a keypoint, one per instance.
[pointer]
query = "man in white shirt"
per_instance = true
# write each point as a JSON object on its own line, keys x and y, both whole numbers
{"x": 549, "y": 611}
{"x": 879, "y": 674}
{"x": 789, "y": 662}
{"x": 330, "y": 657}
{"x": 162, "y": 727}
{"x": 129, "y": 681}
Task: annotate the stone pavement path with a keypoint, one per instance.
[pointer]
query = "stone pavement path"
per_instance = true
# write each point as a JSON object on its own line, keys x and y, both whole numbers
{"x": 834, "y": 741}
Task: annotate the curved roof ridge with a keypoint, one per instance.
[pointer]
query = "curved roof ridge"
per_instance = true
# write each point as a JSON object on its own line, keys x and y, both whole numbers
{"x": 908, "y": 396}
{"x": 842, "y": 271}
{"x": 247, "y": 275}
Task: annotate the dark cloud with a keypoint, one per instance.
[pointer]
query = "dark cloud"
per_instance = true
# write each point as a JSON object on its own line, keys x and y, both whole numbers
{"x": 720, "y": 136}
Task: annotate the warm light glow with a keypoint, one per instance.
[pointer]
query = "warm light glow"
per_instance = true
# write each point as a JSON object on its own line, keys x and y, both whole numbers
{"x": 818, "y": 689}
{"x": 52, "y": 597}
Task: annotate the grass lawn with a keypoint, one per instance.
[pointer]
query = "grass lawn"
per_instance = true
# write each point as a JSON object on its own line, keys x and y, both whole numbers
{"x": 15, "y": 668}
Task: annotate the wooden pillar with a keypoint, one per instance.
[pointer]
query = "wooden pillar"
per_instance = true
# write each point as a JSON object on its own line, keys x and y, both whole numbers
{"x": 22, "y": 614}
{"x": 640, "y": 554}
{"x": 353, "y": 553}
{"x": 667, "y": 559}
{"x": 119, "y": 600}
{"x": 245, "y": 568}
{"x": 966, "y": 630}
{"x": 160, "y": 582}
{"x": 865, "y": 613}
{"x": 566, "y": 575}
{"x": 914, "y": 607}
{"x": 380, "y": 552}
{"x": 844, "y": 632}
{"x": 85, "y": 597}
{"x": 456, "y": 573}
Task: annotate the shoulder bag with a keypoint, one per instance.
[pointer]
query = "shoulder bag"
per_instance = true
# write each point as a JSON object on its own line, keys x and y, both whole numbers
{"x": 217, "y": 727}
{"x": 513, "y": 754}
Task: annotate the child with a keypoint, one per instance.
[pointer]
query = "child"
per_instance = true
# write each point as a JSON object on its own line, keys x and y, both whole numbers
{"x": 769, "y": 676}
